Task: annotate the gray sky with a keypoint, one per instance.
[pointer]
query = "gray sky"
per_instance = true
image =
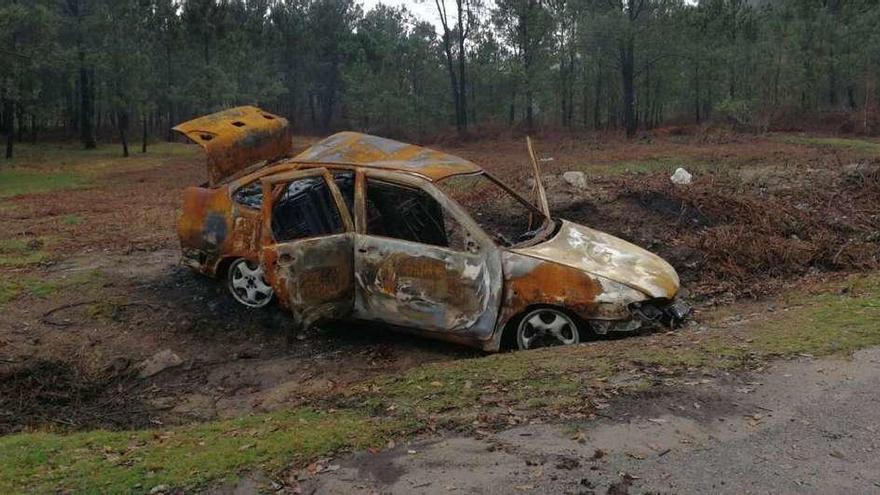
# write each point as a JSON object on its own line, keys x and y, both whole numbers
{"x": 425, "y": 9}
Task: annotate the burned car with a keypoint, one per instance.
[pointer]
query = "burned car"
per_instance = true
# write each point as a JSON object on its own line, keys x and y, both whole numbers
{"x": 361, "y": 227}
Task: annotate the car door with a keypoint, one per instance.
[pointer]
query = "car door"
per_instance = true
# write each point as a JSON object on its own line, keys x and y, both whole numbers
{"x": 307, "y": 245}
{"x": 420, "y": 261}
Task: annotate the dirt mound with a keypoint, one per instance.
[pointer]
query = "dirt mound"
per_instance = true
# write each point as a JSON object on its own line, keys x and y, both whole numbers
{"x": 726, "y": 236}
{"x": 43, "y": 392}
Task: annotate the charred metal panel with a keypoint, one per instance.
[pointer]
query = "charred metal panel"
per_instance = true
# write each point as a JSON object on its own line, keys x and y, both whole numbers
{"x": 246, "y": 232}
{"x": 606, "y": 256}
{"x": 354, "y": 148}
{"x": 428, "y": 287}
{"x": 409, "y": 284}
{"x": 236, "y": 138}
{"x": 204, "y": 227}
{"x": 530, "y": 281}
{"x": 314, "y": 276}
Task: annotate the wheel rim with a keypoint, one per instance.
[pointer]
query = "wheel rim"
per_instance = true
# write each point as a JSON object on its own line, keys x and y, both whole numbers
{"x": 546, "y": 327}
{"x": 248, "y": 285}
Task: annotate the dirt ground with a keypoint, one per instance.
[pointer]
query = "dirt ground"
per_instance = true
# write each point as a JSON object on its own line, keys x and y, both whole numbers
{"x": 100, "y": 290}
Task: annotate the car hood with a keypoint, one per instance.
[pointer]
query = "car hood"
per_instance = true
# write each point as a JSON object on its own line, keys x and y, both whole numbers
{"x": 607, "y": 256}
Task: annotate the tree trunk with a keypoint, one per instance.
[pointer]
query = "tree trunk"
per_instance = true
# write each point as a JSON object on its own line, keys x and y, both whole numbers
{"x": 597, "y": 116}
{"x": 122, "y": 124}
{"x": 33, "y": 129}
{"x": 169, "y": 134}
{"x": 527, "y": 66}
{"x": 832, "y": 79}
{"x": 9, "y": 120}
{"x": 87, "y": 105}
{"x": 646, "y": 119}
{"x": 144, "y": 136}
{"x": 312, "y": 112}
{"x": 462, "y": 84}
{"x": 19, "y": 117}
{"x": 627, "y": 70}
{"x": 530, "y": 116}
{"x": 697, "y": 115}
{"x": 456, "y": 98}
{"x": 585, "y": 102}
{"x": 511, "y": 117}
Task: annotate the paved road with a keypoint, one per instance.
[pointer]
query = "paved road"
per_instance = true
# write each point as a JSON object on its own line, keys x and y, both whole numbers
{"x": 804, "y": 426}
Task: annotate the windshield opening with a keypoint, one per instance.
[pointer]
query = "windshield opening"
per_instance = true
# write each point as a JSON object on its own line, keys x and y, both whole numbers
{"x": 505, "y": 216}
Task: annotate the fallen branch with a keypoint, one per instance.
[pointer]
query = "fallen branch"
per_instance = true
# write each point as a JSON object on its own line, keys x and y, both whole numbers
{"x": 45, "y": 317}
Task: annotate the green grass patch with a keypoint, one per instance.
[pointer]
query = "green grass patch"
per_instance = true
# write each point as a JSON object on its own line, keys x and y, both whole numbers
{"x": 73, "y": 219}
{"x": 60, "y": 166}
{"x": 832, "y": 142}
{"x": 20, "y": 252}
{"x": 72, "y": 155}
{"x": 828, "y": 324}
{"x": 18, "y": 181}
{"x": 188, "y": 456}
{"x": 12, "y": 288}
{"x": 667, "y": 164}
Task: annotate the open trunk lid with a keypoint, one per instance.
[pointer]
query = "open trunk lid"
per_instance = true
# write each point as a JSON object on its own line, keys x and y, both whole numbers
{"x": 236, "y": 138}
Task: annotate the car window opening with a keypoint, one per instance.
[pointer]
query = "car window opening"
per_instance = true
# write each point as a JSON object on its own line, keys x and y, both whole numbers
{"x": 251, "y": 194}
{"x": 305, "y": 208}
{"x": 509, "y": 219}
{"x": 410, "y": 214}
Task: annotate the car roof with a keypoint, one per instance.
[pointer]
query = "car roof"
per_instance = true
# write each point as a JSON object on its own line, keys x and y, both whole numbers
{"x": 364, "y": 150}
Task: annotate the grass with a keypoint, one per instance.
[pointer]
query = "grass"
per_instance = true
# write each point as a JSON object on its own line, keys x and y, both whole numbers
{"x": 136, "y": 461}
{"x": 72, "y": 219}
{"x": 18, "y": 181}
{"x": 451, "y": 395}
{"x": 20, "y": 252}
{"x": 53, "y": 167}
{"x": 11, "y": 288}
{"x": 650, "y": 165}
{"x": 832, "y": 142}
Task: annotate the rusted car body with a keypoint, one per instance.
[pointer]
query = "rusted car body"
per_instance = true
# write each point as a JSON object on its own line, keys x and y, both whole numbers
{"x": 360, "y": 227}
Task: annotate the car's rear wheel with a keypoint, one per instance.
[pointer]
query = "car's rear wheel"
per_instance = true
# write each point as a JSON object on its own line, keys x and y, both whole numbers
{"x": 546, "y": 327}
{"x": 247, "y": 283}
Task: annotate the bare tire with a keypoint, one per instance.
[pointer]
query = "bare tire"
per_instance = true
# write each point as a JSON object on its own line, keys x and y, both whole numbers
{"x": 247, "y": 283}
{"x": 546, "y": 327}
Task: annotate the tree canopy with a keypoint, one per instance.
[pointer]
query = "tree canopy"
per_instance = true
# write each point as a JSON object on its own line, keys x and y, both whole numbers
{"x": 95, "y": 69}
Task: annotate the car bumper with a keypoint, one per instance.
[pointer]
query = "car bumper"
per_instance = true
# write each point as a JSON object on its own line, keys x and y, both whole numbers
{"x": 671, "y": 314}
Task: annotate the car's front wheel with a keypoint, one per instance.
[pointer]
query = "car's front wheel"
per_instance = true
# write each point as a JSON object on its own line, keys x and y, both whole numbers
{"x": 247, "y": 283}
{"x": 546, "y": 327}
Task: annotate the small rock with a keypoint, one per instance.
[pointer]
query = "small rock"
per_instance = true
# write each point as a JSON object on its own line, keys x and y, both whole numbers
{"x": 567, "y": 463}
{"x": 158, "y": 362}
{"x": 681, "y": 177}
{"x": 159, "y": 489}
{"x": 575, "y": 179}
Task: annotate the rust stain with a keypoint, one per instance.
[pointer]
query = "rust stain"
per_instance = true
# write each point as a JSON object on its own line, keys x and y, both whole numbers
{"x": 236, "y": 138}
{"x": 423, "y": 274}
{"x": 601, "y": 254}
{"x": 544, "y": 282}
{"x": 356, "y": 149}
{"x": 205, "y": 227}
